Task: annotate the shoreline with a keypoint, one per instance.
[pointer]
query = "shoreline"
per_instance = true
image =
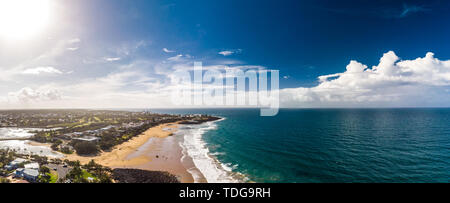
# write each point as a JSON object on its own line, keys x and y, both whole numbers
{"x": 210, "y": 166}
{"x": 167, "y": 147}
{"x": 157, "y": 149}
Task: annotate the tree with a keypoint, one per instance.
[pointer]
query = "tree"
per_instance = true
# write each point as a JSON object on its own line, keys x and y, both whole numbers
{"x": 104, "y": 178}
{"x": 42, "y": 160}
{"x": 66, "y": 150}
{"x": 44, "y": 178}
{"x": 55, "y": 147}
{"x": 4, "y": 180}
{"x": 76, "y": 174}
{"x": 107, "y": 142}
{"x": 44, "y": 169}
{"x": 86, "y": 148}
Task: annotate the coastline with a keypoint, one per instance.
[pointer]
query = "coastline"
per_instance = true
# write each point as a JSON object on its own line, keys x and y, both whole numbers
{"x": 157, "y": 149}
{"x": 176, "y": 148}
{"x": 207, "y": 163}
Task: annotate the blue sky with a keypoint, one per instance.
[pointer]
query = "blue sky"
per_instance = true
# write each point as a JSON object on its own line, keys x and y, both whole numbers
{"x": 105, "y": 43}
{"x": 293, "y": 36}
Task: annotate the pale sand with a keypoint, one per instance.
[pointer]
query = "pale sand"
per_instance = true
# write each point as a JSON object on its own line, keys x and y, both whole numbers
{"x": 38, "y": 144}
{"x": 141, "y": 152}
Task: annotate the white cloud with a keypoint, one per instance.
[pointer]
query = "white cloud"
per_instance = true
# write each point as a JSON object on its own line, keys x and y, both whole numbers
{"x": 72, "y": 48}
{"x": 113, "y": 59}
{"x": 230, "y": 52}
{"x": 178, "y": 58}
{"x": 394, "y": 82}
{"x": 41, "y": 70}
{"x": 74, "y": 41}
{"x": 147, "y": 83}
{"x": 27, "y": 95}
{"x": 226, "y": 53}
{"x": 167, "y": 50}
{"x": 129, "y": 48}
{"x": 51, "y": 55}
{"x": 116, "y": 90}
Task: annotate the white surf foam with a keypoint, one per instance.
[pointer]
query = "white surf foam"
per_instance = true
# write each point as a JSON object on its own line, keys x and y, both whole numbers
{"x": 195, "y": 147}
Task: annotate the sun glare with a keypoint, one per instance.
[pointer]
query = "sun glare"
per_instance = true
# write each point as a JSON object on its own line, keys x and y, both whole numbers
{"x": 23, "y": 19}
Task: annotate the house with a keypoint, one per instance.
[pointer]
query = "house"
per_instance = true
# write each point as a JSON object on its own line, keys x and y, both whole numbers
{"x": 32, "y": 166}
{"x": 31, "y": 174}
{"x": 28, "y": 174}
{"x": 19, "y": 172}
{"x": 15, "y": 164}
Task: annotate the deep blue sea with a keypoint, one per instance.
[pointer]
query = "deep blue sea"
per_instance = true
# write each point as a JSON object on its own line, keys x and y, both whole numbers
{"x": 332, "y": 145}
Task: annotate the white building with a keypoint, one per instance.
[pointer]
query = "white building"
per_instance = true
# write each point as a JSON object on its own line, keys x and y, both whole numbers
{"x": 32, "y": 166}
{"x": 28, "y": 174}
{"x": 15, "y": 164}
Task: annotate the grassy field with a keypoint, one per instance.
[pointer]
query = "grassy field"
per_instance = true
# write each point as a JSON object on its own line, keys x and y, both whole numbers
{"x": 53, "y": 177}
{"x": 87, "y": 175}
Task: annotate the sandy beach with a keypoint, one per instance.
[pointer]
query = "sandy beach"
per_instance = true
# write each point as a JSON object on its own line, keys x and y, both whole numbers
{"x": 156, "y": 149}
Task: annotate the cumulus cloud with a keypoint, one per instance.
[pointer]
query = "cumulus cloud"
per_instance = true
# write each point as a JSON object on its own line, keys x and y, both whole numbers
{"x": 393, "y": 82}
{"x": 41, "y": 70}
{"x": 27, "y": 95}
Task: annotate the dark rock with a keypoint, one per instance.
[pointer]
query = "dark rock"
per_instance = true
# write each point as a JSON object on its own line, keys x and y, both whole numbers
{"x": 123, "y": 175}
{"x": 200, "y": 120}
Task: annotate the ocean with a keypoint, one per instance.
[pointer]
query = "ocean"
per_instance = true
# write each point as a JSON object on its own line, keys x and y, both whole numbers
{"x": 321, "y": 145}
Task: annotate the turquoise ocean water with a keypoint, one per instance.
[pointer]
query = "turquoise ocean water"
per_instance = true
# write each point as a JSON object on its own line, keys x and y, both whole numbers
{"x": 323, "y": 145}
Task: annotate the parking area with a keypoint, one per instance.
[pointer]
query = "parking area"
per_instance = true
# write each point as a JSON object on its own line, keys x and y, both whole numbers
{"x": 60, "y": 169}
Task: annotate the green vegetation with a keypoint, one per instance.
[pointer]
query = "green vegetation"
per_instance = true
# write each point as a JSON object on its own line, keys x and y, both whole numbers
{"x": 86, "y": 132}
{"x": 86, "y": 175}
{"x": 62, "y": 126}
{"x": 85, "y": 148}
{"x": 66, "y": 150}
{"x": 42, "y": 160}
{"x": 6, "y": 156}
{"x": 53, "y": 177}
{"x": 82, "y": 174}
{"x": 55, "y": 145}
{"x": 47, "y": 176}
{"x": 4, "y": 180}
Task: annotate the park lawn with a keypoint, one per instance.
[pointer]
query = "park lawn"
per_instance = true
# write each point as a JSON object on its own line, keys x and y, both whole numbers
{"x": 64, "y": 125}
{"x": 87, "y": 175}
{"x": 83, "y": 125}
{"x": 53, "y": 177}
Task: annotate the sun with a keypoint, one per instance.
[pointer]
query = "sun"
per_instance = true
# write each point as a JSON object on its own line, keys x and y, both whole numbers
{"x": 23, "y": 19}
